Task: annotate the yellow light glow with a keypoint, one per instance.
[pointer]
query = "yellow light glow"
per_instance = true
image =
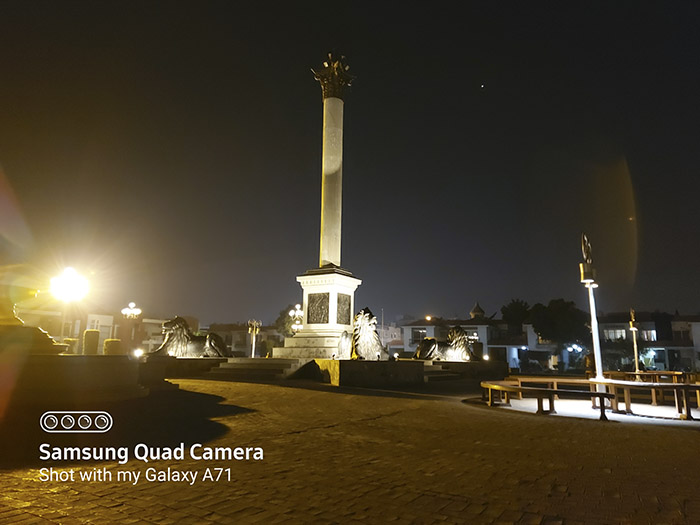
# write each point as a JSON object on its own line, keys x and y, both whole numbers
{"x": 69, "y": 286}
{"x": 428, "y": 317}
{"x": 138, "y": 352}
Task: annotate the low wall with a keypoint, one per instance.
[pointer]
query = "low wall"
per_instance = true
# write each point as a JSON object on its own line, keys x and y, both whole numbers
{"x": 69, "y": 379}
{"x": 476, "y": 370}
{"x": 152, "y": 373}
{"x": 369, "y": 373}
{"x": 189, "y": 366}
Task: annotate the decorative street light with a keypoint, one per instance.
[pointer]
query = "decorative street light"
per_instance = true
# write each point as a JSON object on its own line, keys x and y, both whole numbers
{"x": 131, "y": 312}
{"x": 634, "y": 329}
{"x": 588, "y": 280}
{"x": 68, "y": 287}
{"x": 297, "y": 316}
{"x": 131, "y": 315}
{"x": 253, "y": 330}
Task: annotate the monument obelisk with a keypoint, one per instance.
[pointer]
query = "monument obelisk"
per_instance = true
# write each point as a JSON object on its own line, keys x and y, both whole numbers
{"x": 329, "y": 289}
{"x": 333, "y": 78}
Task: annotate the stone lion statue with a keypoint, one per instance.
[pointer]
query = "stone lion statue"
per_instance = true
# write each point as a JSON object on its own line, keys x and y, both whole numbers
{"x": 181, "y": 342}
{"x": 427, "y": 349}
{"x": 366, "y": 344}
{"x": 456, "y": 349}
{"x": 458, "y": 344}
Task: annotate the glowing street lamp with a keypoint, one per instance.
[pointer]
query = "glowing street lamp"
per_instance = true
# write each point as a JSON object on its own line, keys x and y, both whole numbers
{"x": 634, "y": 329}
{"x": 131, "y": 312}
{"x": 131, "y": 315}
{"x": 253, "y": 330}
{"x": 297, "y": 316}
{"x": 68, "y": 287}
{"x": 588, "y": 280}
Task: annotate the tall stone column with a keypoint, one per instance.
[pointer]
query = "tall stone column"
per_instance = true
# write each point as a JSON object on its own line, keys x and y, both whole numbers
{"x": 332, "y": 183}
{"x": 333, "y": 78}
{"x": 329, "y": 300}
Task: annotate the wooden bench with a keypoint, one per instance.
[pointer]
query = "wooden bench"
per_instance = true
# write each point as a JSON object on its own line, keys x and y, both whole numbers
{"x": 683, "y": 389}
{"x": 508, "y": 387}
{"x": 655, "y": 376}
{"x": 550, "y": 381}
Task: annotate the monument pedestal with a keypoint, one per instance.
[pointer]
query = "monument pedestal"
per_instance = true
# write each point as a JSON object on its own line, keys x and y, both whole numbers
{"x": 329, "y": 303}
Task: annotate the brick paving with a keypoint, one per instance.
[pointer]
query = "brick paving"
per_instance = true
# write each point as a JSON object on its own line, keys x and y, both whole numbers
{"x": 353, "y": 456}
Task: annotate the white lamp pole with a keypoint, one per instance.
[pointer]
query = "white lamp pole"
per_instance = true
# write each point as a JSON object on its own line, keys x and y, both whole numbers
{"x": 634, "y": 329}
{"x": 253, "y": 329}
{"x": 588, "y": 280}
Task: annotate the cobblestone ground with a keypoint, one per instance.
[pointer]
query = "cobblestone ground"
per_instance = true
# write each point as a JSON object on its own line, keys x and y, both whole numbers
{"x": 353, "y": 456}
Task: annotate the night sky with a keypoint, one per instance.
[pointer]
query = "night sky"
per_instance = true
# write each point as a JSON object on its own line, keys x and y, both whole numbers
{"x": 172, "y": 152}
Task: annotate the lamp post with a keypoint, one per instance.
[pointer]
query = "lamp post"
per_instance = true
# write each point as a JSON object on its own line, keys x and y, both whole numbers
{"x": 68, "y": 287}
{"x": 297, "y": 316}
{"x": 588, "y": 280}
{"x": 634, "y": 330}
{"x": 253, "y": 330}
{"x": 131, "y": 315}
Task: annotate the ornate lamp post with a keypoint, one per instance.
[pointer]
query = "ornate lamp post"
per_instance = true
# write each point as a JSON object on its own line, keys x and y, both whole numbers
{"x": 297, "y": 316}
{"x": 588, "y": 280}
{"x": 68, "y": 287}
{"x": 634, "y": 330}
{"x": 253, "y": 330}
{"x": 131, "y": 315}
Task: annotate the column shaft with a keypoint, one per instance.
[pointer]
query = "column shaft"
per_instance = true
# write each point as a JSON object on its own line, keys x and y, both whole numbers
{"x": 332, "y": 182}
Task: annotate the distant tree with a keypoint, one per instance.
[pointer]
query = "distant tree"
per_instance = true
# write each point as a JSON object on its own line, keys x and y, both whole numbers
{"x": 515, "y": 313}
{"x": 283, "y": 323}
{"x": 560, "y": 322}
{"x": 613, "y": 352}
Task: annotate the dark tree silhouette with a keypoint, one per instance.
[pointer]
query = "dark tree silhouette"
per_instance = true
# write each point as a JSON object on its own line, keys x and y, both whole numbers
{"x": 560, "y": 322}
{"x": 515, "y": 313}
{"x": 283, "y": 323}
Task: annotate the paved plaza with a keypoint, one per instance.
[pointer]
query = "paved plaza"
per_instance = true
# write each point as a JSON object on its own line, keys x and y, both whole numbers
{"x": 360, "y": 456}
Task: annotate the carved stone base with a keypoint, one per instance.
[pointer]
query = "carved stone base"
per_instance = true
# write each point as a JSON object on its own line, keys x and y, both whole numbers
{"x": 308, "y": 346}
{"x": 329, "y": 302}
{"x": 304, "y": 352}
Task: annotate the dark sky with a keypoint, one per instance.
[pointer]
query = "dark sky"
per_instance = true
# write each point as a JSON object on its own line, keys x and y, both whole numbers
{"x": 172, "y": 151}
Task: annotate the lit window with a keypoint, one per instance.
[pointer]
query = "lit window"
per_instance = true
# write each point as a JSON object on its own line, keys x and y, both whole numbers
{"x": 417, "y": 335}
{"x": 648, "y": 335}
{"x": 614, "y": 335}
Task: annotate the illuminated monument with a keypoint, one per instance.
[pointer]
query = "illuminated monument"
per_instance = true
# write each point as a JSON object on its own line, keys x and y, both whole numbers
{"x": 329, "y": 289}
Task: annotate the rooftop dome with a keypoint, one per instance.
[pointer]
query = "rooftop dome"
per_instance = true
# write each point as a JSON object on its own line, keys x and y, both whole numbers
{"x": 477, "y": 311}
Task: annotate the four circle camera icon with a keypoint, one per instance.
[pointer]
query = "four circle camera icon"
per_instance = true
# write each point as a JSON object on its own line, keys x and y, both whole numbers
{"x": 86, "y": 422}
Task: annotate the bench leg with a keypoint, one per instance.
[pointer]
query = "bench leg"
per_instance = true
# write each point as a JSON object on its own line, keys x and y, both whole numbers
{"x": 614, "y": 402}
{"x": 551, "y": 404}
{"x": 686, "y": 406}
{"x": 540, "y": 407}
{"x": 628, "y": 401}
{"x": 601, "y": 402}
{"x": 490, "y": 402}
{"x": 675, "y": 398}
{"x": 506, "y": 395}
{"x": 654, "y": 402}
